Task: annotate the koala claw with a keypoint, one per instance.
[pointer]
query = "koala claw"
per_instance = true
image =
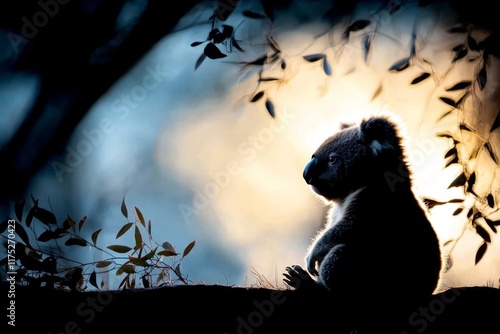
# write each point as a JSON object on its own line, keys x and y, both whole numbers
{"x": 296, "y": 277}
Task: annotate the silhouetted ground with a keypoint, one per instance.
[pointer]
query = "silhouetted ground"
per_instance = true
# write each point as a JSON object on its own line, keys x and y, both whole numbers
{"x": 225, "y": 309}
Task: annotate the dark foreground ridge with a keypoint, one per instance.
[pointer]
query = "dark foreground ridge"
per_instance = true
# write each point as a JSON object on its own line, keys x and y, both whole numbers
{"x": 225, "y": 309}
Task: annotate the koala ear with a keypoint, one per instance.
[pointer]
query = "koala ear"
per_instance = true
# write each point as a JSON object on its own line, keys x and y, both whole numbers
{"x": 379, "y": 133}
{"x": 345, "y": 125}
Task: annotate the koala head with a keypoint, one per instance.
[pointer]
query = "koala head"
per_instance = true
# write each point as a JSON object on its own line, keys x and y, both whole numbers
{"x": 354, "y": 157}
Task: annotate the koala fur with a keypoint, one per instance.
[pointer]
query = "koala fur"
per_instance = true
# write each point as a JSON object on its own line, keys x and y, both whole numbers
{"x": 377, "y": 241}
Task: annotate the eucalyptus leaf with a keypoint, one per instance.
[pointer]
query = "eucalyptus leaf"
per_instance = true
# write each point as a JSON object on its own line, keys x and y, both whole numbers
{"x": 124, "y": 229}
{"x": 188, "y": 248}
{"x": 119, "y": 248}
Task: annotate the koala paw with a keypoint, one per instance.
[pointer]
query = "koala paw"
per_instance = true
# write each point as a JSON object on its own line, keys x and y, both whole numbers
{"x": 311, "y": 265}
{"x": 296, "y": 277}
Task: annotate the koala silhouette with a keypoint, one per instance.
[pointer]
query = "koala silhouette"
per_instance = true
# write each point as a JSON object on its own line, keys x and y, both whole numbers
{"x": 377, "y": 240}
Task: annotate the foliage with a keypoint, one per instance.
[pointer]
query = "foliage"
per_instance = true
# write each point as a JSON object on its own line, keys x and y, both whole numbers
{"x": 223, "y": 36}
{"x": 469, "y": 144}
{"x": 38, "y": 254}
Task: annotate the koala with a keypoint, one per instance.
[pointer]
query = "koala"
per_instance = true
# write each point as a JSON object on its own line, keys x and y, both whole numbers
{"x": 377, "y": 242}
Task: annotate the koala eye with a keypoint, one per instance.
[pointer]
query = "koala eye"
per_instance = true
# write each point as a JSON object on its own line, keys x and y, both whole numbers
{"x": 332, "y": 158}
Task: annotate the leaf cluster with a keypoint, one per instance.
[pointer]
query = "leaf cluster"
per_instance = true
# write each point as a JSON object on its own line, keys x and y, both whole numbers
{"x": 480, "y": 214}
{"x": 221, "y": 37}
{"x": 42, "y": 243}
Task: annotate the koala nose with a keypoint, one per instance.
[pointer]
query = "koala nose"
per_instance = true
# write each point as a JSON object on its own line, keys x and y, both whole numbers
{"x": 309, "y": 170}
